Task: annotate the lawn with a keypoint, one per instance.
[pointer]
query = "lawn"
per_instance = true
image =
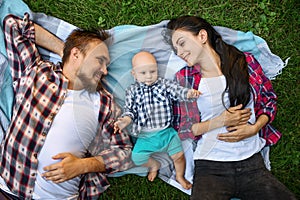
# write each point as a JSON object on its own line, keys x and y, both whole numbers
{"x": 278, "y": 22}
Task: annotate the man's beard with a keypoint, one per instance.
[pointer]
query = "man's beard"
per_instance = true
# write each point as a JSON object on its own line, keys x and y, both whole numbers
{"x": 88, "y": 84}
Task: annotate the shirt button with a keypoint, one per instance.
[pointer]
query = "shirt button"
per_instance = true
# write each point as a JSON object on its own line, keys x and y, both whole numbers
{"x": 33, "y": 174}
{"x": 259, "y": 81}
{"x": 35, "y": 155}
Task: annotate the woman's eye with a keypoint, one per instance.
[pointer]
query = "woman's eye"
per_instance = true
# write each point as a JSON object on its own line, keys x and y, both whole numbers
{"x": 181, "y": 44}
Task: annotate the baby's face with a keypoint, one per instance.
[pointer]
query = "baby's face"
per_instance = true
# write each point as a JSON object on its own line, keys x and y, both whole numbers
{"x": 145, "y": 73}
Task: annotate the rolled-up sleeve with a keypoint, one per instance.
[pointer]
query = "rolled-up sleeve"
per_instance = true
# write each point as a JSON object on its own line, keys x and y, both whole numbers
{"x": 114, "y": 148}
{"x": 265, "y": 97}
{"x": 19, "y": 40}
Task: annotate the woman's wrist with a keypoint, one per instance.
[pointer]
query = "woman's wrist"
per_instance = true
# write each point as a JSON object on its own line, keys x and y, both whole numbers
{"x": 261, "y": 121}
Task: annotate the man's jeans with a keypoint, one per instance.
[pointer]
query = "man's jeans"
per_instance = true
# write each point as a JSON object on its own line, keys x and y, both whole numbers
{"x": 247, "y": 179}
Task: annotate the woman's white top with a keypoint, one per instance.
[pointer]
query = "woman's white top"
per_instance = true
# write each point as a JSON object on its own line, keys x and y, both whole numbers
{"x": 210, "y": 106}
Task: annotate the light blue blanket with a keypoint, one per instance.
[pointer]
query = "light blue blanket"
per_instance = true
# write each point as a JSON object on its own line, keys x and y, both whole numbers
{"x": 127, "y": 40}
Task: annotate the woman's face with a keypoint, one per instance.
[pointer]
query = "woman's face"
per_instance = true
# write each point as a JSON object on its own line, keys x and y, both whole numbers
{"x": 187, "y": 46}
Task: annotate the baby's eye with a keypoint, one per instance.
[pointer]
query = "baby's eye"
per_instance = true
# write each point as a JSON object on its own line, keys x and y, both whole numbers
{"x": 143, "y": 73}
{"x": 152, "y": 72}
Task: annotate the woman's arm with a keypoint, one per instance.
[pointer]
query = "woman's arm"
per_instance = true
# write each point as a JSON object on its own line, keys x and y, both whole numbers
{"x": 234, "y": 116}
{"x": 48, "y": 41}
{"x": 240, "y": 132}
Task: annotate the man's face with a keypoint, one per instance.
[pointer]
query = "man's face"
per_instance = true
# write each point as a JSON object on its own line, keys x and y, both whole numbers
{"x": 93, "y": 66}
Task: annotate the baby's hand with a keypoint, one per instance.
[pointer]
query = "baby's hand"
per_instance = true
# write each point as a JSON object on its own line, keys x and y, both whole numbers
{"x": 193, "y": 93}
{"x": 121, "y": 123}
{"x": 116, "y": 127}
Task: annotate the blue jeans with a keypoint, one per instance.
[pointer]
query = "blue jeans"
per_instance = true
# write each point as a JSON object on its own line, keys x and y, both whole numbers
{"x": 246, "y": 179}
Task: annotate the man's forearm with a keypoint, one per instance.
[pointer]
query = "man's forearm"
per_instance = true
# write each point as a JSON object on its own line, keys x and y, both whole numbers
{"x": 94, "y": 164}
{"x": 48, "y": 41}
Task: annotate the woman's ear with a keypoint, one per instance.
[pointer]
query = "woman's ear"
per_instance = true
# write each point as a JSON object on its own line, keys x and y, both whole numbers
{"x": 202, "y": 35}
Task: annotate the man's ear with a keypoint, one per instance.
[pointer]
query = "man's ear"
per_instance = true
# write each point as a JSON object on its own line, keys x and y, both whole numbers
{"x": 75, "y": 53}
{"x": 202, "y": 35}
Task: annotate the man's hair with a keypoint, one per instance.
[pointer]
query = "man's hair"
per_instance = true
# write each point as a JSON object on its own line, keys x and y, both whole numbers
{"x": 81, "y": 38}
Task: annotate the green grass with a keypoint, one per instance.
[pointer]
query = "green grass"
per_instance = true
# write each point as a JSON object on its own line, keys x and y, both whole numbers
{"x": 278, "y": 22}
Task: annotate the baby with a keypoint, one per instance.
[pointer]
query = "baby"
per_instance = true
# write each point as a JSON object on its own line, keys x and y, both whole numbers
{"x": 148, "y": 105}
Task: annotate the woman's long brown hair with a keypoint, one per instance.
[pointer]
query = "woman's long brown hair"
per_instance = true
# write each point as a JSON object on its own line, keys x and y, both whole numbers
{"x": 233, "y": 62}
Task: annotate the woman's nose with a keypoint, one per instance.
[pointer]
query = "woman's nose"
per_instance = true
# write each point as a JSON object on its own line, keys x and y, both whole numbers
{"x": 179, "y": 52}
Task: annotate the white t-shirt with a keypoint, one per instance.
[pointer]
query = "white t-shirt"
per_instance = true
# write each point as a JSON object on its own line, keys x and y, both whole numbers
{"x": 210, "y": 106}
{"x": 72, "y": 130}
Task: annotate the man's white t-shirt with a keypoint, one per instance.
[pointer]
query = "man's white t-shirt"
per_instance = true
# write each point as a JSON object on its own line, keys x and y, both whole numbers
{"x": 72, "y": 130}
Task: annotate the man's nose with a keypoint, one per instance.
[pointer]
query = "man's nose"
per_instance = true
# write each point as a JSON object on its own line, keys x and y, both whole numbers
{"x": 104, "y": 70}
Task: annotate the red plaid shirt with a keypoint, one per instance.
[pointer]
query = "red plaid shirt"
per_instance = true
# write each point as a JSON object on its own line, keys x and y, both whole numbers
{"x": 40, "y": 89}
{"x": 265, "y": 100}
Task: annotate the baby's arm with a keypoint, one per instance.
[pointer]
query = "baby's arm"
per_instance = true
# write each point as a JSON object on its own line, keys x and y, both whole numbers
{"x": 193, "y": 94}
{"x": 121, "y": 123}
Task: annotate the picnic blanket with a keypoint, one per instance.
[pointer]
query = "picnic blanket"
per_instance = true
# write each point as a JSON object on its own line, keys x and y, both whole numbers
{"x": 128, "y": 40}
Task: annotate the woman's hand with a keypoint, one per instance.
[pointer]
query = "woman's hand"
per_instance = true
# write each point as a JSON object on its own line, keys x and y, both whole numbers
{"x": 235, "y": 116}
{"x": 242, "y": 131}
{"x": 238, "y": 133}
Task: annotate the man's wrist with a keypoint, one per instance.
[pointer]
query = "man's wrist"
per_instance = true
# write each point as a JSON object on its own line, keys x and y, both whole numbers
{"x": 93, "y": 164}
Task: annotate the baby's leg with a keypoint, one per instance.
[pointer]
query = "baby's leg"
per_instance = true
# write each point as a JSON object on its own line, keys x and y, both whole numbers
{"x": 153, "y": 166}
{"x": 179, "y": 163}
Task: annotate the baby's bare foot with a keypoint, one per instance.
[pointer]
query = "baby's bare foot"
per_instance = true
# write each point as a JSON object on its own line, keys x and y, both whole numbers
{"x": 152, "y": 175}
{"x": 184, "y": 183}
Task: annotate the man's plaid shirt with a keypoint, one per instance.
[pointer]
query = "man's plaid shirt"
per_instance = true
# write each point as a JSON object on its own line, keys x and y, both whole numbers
{"x": 265, "y": 100}
{"x": 40, "y": 89}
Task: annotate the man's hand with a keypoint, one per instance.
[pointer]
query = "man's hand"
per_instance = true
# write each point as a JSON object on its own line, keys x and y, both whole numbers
{"x": 69, "y": 167}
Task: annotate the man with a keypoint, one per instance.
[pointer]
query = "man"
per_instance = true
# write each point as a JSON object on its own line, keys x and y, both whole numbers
{"x": 60, "y": 141}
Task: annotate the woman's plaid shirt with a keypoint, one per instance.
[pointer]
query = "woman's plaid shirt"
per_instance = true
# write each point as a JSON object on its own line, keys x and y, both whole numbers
{"x": 40, "y": 89}
{"x": 265, "y": 100}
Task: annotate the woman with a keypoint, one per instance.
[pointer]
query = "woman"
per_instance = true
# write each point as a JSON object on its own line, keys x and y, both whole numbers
{"x": 227, "y": 156}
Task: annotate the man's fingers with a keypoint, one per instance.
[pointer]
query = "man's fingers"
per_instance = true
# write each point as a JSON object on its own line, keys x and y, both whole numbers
{"x": 55, "y": 178}
{"x": 61, "y": 155}
{"x": 50, "y": 167}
